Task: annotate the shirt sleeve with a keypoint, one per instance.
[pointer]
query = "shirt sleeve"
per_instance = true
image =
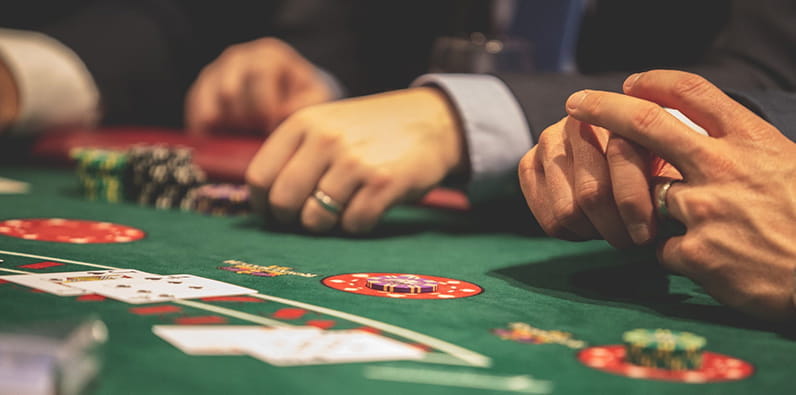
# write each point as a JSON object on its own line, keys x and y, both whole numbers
{"x": 496, "y": 131}
{"x": 55, "y": 87}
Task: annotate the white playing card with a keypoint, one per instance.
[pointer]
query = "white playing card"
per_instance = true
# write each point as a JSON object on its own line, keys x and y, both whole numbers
{"x": 9, "y": 186}
{"x": 208, "y": 339}
{"x": 155, "y": 289}
{"x": 68, "y": 283}
{"x": 287, "y": 347}
{"x": 280, "y": 346}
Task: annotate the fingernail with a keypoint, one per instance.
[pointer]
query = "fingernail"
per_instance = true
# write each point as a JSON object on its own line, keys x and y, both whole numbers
{"x": 574, "y": 101}
{"x": 640, "y": 233}
{"x": 630, "y": 81}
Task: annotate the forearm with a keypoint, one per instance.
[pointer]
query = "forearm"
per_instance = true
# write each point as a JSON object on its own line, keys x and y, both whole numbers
{"x": 9, "y": 98}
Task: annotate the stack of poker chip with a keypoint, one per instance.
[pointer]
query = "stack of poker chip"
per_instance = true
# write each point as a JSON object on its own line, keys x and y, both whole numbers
{"x": 406, "y": 283}
{"x": 663, "y": 349}
{"x": 218, "y": 199}
{"x": 161, "y": 176}
{"x": 101, "y": 173}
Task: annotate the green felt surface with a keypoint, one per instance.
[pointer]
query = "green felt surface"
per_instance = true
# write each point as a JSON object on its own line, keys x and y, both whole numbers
{"x": 586, "y": 289}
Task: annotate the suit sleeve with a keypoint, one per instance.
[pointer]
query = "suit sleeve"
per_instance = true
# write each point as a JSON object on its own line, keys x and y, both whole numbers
{"x": 144, "y": 54}
{"x": 755, "y": 49}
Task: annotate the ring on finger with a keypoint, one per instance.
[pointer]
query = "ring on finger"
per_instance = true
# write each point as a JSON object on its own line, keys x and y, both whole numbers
{"x": 327, "y": 202}
{"x": 661, "y": 206}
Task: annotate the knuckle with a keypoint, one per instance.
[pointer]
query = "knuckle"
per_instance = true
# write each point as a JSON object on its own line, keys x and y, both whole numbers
{"x": 591, "y": 195}
{"x": 592, "y": 104}
{"x": 633, "y": 203}
{"x": 619, "y": 149}
{"x": 699, "y": 208}
{"x": 647, "y": 117}
{"x": 564, "y": 213}
{"x": 380, "y": 178}
{"x": 690, "y": 85}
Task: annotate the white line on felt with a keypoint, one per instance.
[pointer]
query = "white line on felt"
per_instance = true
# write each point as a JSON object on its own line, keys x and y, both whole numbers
{"x": 57, "y": 259}
{"x": 233, "y": 313}
{"x": 464, "y": 354}
{"x": 471, "y": 357}
{"x": 14, "y": 271}
{"x": 463, "y": 379}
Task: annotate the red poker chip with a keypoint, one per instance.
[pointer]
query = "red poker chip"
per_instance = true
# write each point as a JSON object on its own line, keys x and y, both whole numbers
{"x": 69, "y": 231}
{"x": 448, "y": 288}
{"x": 715, "y": 367}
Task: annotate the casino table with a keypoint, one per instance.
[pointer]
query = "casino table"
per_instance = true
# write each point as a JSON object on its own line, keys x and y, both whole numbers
{"x": 587, "y": 291}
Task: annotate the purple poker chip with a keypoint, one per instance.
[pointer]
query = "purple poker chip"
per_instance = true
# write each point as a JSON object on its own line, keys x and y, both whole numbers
{"x": 406, "y": 283}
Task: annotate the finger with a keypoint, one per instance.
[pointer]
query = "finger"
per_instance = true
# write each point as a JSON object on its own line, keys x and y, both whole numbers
{"x": 674, "y": 200}
{"x": 231, "y": 94}
{"x": 592, "y": 182}
{"x": 299, "y": 178}
{"x": 555, "y": 195}
{"x": 627, "y": 164}
{"x": 697, "y": 98}
{"x": 646, "y": 124}
{"x": 340, "y": 182}
{"x": 202, "y": 112}
{"x": 370, "y": 202}
{"x": 273, "y": 155}
{"x": 670, "y": 255}
{"x": 264, "y": 99}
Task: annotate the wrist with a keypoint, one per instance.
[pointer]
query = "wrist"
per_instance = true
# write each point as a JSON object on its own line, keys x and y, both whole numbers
{"x": 451, "y": 130}
{"x": 9, "y": 97}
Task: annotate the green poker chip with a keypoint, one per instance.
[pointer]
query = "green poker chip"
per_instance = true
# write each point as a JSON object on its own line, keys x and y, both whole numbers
{"x": 664, "y": 349}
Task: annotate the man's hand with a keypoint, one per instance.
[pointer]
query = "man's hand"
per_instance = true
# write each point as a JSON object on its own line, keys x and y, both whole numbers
{"x": 737, "y": 199}
{"x": 252, "y": 87}
{"x": 582, "y": 182}
{"x": 366, "y": 153}
{"x": 9, "y": 98}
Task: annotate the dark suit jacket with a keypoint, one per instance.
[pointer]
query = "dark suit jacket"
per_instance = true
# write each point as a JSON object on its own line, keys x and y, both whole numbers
{"x": 738, "y": 45}
{"x": 144, "y": 54}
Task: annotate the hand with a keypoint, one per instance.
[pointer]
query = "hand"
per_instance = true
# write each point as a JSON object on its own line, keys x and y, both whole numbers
{"x": 366, "y": 153}
{"x": 582, "y": 182}
{"x": 737, "y": 199}
{"x": 252, "y": 87}
{"x": 9, "y": 99}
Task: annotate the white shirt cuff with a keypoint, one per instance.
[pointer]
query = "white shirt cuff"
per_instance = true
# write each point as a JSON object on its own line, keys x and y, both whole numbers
{"x": 55, "y": 88}
{"x": 495, "y": 128}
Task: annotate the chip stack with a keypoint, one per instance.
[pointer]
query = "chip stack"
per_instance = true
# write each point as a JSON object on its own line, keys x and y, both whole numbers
{"x": 101, "y": 173}
{"x": 161, "y": 176}
{"x": 664, "y": 349}
{"x": 218, "y": 199}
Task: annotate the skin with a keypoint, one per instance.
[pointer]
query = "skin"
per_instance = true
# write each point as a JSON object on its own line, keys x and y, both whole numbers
{"x": 9, "y": 97}
{"x": 251, "y": 88}
{"x": 738, "y": 195}
{"x": 368, "y": 154}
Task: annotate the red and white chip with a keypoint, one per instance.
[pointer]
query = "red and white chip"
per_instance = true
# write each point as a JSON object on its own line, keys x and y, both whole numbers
{"x": 715, "y": 367}
{"x": 447, "y": 288}
{"x": 69, "y": 231}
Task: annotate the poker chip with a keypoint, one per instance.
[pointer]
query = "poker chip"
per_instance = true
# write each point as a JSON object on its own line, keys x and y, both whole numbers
{"x": 161, "y": 176}
{"x": 662, "y": 348}
{"x": 402, "y": 284}
{"x": 714, "y": 367}
{"x": 219, "y": 199}
{"x": 446, "y": 288}
{"x": 100, "y": 173}
{"x": 69, "y": 231}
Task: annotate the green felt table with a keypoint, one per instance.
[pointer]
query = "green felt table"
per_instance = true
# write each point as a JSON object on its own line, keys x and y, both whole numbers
{"x": 586, "y": 289}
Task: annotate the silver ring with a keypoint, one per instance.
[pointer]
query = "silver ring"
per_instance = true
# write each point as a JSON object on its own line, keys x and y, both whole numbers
{"x": 660, "y": 199}
{"x": 327, "y": 202}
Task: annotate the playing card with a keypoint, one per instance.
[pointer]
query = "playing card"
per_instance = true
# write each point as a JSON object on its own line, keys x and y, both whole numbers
{"x": 208, "y": 339}
{"x": 68, "y": 283}
{"x": 154, "y": 289}
{"x": 9, "y": 186}
{"x": 288, "y": 347}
